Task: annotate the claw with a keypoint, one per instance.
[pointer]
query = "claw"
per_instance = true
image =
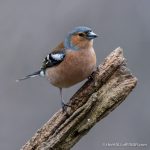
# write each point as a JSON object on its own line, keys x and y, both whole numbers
{"x": 91, "y": 77}
{"x": 64, "y": 107}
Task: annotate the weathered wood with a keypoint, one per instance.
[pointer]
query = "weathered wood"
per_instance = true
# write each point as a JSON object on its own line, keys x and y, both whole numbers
{"x": 109, "y": 86}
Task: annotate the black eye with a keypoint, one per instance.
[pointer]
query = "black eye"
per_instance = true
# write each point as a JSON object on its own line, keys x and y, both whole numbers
{"x": 81, "y": 34}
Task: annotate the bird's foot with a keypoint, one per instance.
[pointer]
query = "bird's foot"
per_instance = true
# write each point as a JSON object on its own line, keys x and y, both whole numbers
{"x": 91, "y": 77}
{"x": 64, "y": 107}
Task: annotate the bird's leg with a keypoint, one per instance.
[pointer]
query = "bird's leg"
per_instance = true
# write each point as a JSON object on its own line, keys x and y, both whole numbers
{"x": 91, "y": 76}
{"x": 64, "y": 106}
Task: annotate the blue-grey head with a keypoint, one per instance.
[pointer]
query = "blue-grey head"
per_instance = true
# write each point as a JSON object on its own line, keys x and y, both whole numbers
{"x": 80, "y": 37}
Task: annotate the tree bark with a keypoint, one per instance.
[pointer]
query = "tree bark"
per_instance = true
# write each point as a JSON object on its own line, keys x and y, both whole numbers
{"x": 108, "y": 86}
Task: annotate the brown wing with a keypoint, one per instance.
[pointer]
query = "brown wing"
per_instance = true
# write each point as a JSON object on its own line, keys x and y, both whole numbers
{"x": 59, "y": 47}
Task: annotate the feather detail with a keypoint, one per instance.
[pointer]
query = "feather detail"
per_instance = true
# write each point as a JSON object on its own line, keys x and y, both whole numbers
{"x": 58, "y": 48}
{"x": 35, "y": 74}
{"x": 53, "y": 59}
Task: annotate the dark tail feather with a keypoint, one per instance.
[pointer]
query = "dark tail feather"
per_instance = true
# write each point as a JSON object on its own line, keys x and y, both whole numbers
{"x": 30, "y": 76}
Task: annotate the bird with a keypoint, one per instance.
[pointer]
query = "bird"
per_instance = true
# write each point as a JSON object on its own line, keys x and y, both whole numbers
{"x": 70, "y": 62}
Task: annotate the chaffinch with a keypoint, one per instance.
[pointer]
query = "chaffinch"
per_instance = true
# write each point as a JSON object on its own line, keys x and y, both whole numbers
{"x": 72, "y": 61}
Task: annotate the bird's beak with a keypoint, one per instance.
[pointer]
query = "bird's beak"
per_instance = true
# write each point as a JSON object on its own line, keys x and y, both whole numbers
{"x": 91, "y": 35}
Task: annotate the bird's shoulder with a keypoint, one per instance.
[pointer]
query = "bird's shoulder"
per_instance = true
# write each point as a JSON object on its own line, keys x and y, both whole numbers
{"x": 59, "y": 47}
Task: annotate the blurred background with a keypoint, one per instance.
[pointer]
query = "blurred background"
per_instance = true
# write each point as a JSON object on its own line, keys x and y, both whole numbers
{"x": 29, "y": 29}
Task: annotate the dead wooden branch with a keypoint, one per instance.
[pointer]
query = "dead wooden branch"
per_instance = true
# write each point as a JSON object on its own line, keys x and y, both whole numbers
{"x": 109, "y": 86}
